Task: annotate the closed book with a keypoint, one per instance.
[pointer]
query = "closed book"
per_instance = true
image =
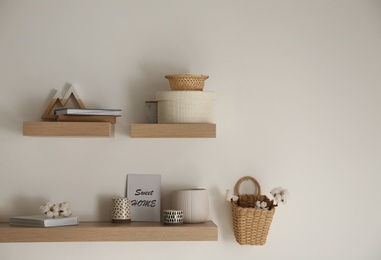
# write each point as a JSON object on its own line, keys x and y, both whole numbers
{"x": 43, "y": 221}
{"x": 88, "y": 112}
{"x": 68, "y": 118}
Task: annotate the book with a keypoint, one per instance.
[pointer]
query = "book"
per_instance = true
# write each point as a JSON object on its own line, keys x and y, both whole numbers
{"x": 66, "y": 118}
{"x": 88, "y": 112}
{"x": 144, "y": 192}
{"x": 43, "y": 221}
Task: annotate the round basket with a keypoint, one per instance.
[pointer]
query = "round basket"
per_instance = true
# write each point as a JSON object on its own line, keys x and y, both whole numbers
{"x": 186, "y": 81}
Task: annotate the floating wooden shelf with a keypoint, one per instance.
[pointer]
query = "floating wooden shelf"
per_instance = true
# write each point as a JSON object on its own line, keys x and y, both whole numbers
{"x": 100, "y": 129}
{"x": 173, "y": 130}
{"x": 107, "y": 231}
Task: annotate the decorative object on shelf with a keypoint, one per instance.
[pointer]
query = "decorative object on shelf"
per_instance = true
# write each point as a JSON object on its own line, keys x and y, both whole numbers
{"x": 186, "y": 81}
{"x": 179, "y": 114}
{"x": 185, "y": 107}
{"x": 54, "y": 215}
{"x": 253, "y": 214}
{"x": 144, "y": 192}
{"x": 87, "y": 112}
{"x": 120, "y": 210}
{"x": 150, "y": 112}
{"x": 172, "y": 217}
{"x": 98, "y": 123}
{"x": 43, "y": 221}
{"x": 56, "y": 210}
{"x": 194, "y": 203}
{"x": 61, "y": 101}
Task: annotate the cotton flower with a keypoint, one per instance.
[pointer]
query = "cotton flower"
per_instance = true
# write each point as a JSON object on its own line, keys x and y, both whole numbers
{"x": 277, "y": 197}
{"x": 230, "y": 196}
{"x": 44, "y": 209}
{"x": 280, "y": 195}
{"x": 64, "y": 205}
{"x": 56, "y": 210}
{"x": 65, "y": 213}
{"x": 55, "y": 214}
{"x": 49, "y": 204}
{"x": 260, "y": 204}
{"x": 276, "y": 191}
{"x": 257, "y": 204}
{"x": 285, "y": 195}
{"x": 49, "y": 214}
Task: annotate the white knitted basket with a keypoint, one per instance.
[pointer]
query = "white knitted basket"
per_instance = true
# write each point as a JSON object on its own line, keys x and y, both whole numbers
{"x": 185, "y": 107}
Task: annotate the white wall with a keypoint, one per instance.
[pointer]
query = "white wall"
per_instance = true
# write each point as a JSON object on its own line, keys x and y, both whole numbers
{"x": 298, "y": 104}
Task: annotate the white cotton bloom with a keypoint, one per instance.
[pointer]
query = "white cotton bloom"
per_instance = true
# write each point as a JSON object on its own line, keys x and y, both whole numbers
{"x": 49, "y": 204}
{"x": 285, "y": 195}
{"x": 49, "y": 214}
{"x": 258, "y": 204}
{"x": 278, "y": 198}
{"x": 229, "y": 195}
{"x": 65, "y": 213}
{"x": 44, "y": 209}
{"x": 263, "y": 204}
{"x": 64, "y": 205}
{"x": 55, "y": 208}
{"x": 276, "y": 190}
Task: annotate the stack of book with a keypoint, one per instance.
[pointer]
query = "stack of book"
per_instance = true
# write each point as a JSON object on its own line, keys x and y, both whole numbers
{"x": 87, "y": 115}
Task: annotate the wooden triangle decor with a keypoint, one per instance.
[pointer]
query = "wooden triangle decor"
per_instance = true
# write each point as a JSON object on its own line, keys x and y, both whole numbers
{"x": 61, "y": 101}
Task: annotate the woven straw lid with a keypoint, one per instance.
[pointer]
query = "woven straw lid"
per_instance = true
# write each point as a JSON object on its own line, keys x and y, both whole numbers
{"x": 187, "y": 81}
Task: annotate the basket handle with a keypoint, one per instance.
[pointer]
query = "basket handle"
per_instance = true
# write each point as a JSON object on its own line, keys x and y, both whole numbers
{"x": 246, "y": 178}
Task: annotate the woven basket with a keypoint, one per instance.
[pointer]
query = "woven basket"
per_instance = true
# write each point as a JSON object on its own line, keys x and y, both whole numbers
{"x": 251, "y": 225}
{"x": 182, "y": 107}
{"x": 186, "y": 81}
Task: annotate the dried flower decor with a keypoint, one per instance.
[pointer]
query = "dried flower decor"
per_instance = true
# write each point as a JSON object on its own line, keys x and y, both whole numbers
{"x": 56, "y": 210}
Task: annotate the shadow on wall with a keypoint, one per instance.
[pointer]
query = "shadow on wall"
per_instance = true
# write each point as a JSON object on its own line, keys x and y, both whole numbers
{"x": 23, "y": 206}
{"x": 104, "y": 206}
{"x": 144, "y": 87}
{"x": 223, "y": 216}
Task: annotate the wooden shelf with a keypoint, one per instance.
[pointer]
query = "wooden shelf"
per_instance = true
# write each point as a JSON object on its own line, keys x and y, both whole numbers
{"x": 173, "y": 131}
{"x": 95, "y": 129}
{"x": 107, "y": 231}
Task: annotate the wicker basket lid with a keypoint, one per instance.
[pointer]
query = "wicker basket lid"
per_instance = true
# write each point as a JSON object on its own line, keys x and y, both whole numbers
{"x": 187, "y": 82}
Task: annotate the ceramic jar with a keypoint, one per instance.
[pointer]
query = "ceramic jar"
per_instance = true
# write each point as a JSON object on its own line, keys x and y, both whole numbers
{"x": 194, "y": 203}
{"x": 121, "y": 210}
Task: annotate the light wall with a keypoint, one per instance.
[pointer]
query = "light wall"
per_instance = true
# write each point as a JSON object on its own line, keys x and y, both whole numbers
{"x": 298, "y": 105}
